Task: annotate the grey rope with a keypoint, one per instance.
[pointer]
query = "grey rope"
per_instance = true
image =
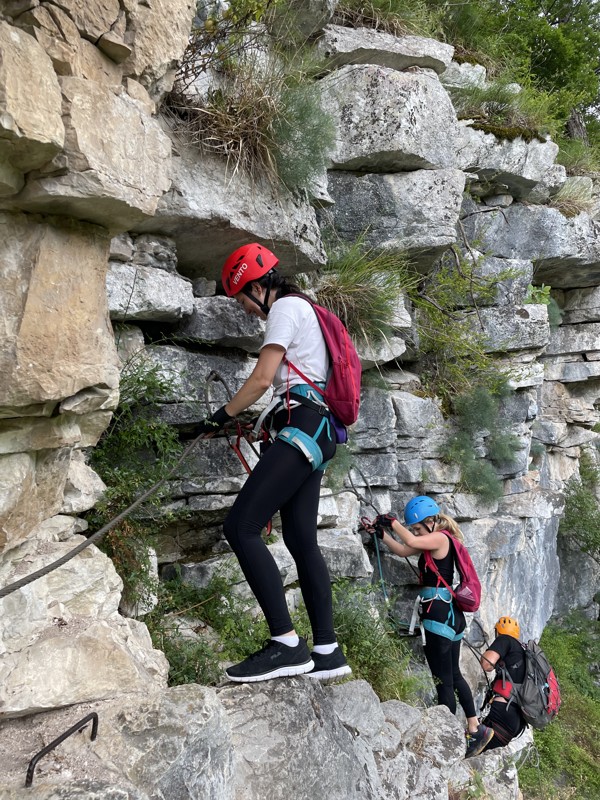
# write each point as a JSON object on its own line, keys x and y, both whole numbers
{"x": 13, "y": 587}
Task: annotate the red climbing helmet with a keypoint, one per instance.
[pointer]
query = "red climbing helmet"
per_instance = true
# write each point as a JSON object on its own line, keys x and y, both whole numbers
{"x": 248, "y": 263}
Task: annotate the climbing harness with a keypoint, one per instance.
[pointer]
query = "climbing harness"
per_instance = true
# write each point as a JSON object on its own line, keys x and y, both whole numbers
{"x": 308, "y": 445}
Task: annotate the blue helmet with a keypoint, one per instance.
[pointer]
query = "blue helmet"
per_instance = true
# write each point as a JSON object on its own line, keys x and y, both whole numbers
{"x": 419, "y": 508}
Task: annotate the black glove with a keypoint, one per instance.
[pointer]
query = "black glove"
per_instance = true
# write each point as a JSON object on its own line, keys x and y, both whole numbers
{"x": 385, "y": 521}
{"x": 212, "y": 424}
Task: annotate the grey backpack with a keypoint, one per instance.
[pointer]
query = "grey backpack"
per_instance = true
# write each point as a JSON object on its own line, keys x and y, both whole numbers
{"x": 538, "y": 696}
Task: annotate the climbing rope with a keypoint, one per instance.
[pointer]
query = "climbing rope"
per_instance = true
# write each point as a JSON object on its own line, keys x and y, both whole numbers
{"x": 95, "y": 537}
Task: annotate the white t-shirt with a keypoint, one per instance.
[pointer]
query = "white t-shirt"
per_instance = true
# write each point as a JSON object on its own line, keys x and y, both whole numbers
{"x": 293, "y": 324}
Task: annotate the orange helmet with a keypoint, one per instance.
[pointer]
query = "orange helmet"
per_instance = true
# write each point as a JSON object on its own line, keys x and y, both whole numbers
{"x": 248, "y": 263}
{"x": 508, "y": 626}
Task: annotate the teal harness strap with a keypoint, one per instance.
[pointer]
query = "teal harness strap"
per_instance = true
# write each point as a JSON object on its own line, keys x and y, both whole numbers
{"x": 445, "y": 629}
{"x": 301, "y": 440}
{"x": 441, "y": 629}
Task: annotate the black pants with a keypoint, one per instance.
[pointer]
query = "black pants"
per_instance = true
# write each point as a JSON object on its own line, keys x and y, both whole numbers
{"x": 443, "y": 657}
{"x": 283, "y": 481}
{"x": 506, "y": 722}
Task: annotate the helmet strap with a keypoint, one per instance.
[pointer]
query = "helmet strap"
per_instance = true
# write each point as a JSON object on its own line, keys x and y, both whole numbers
{"x": 263, "y": 305}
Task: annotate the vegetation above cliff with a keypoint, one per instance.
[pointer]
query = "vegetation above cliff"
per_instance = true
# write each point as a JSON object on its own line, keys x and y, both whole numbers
{"x": 549, "y": 47}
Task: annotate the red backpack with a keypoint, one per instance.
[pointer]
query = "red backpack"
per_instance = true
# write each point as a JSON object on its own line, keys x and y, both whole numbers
{"x": 467, "y": 594}
{"x": 342, "y": 392}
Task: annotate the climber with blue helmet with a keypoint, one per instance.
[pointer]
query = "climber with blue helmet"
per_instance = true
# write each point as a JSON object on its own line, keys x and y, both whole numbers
{"x": 429, "y": 530}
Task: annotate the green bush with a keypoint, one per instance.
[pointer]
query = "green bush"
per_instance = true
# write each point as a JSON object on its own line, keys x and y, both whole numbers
{"x": 398, "y": 17}
{"x": 264, "y": 115}
{"x": 582, "y": 510}
{"x": 451, "y": 348}
{"x": 569, "y": 748}
{"x": 362, "y": 286}
{"x": 372, "y": 648}
{"x": 136, "y": 451}
{"x": 478, "y": 412}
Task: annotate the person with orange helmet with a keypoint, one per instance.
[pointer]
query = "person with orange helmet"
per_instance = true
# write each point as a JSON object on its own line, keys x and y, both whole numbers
{"x": 505, "y": 655}
{"x": 287, "y": 477}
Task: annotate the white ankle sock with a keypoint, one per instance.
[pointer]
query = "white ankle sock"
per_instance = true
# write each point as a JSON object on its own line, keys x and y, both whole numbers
{"x": 291, "y": 641}
{"x": 324, "y": 649}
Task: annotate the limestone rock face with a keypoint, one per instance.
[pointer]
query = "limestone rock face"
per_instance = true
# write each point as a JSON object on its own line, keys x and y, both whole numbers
{"x": 107, "y": 181}
{"x": 211, "y": 211}
{"x": 83, "y": 488}
{"x": 414, "y": 212}
{"x": 524, "y": 329}
{"x": 341, "y": 46}
{"x": 581, "y": 305}
{"x": 63, "y": 641}
{"x": 48, "y": 354}
{"x": 31, "y": 127}
{"x": 31, "y": 489}
{"x": 157, "y": 46}
{"x": 92, "y": 19}
{"x": 384, "y": 119}
{"x": 70, "y": 52}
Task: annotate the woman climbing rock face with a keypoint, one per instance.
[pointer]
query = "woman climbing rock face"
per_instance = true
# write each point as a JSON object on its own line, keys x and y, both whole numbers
{"x": 287, "y": 478}
{"x": 444, "y": 623}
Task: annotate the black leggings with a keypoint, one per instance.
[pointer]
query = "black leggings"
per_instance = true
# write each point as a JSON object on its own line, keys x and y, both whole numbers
{"x": 443, "y": 657}
{"x": 283, "y": 481}
{"x": 506, "y": 722}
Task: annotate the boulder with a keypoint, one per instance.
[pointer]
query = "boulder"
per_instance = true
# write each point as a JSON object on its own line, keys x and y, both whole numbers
{"x": 83, "y": 487}
{"x": 300, "y": 20}
{"x": 389, "y": 121}
{"x": 212, "y": 209}
{"x": 220, "y": 320}
{"x": 565, "y": 252}
{"x": 512, "y": 163}
{"x": 47, "y": 268}
{"x": 31, "y": 126}
{"x": 414, "y": 212}
{"x": 463, "y": 75}
{"x": 146, "y": 293}
{"x": 341, "y": 46}
{"x": 108, "y": 181}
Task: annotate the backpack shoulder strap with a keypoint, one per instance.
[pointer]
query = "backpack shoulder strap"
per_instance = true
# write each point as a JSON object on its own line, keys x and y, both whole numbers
{"x": 430, "y": 564}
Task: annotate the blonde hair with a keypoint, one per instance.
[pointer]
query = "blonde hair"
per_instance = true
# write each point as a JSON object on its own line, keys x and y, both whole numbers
{"x": 445, "y": 523}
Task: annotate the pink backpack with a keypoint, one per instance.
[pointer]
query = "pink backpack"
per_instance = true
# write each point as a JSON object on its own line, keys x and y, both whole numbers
{"x": 467, "y": 594}
{"x": 342, "y": 392}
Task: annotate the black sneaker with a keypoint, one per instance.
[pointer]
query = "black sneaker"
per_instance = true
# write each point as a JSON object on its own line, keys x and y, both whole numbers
{"x": 477, "y": 742}
{"x": 332, "y": 665}
{"x": 274, "y": 660}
